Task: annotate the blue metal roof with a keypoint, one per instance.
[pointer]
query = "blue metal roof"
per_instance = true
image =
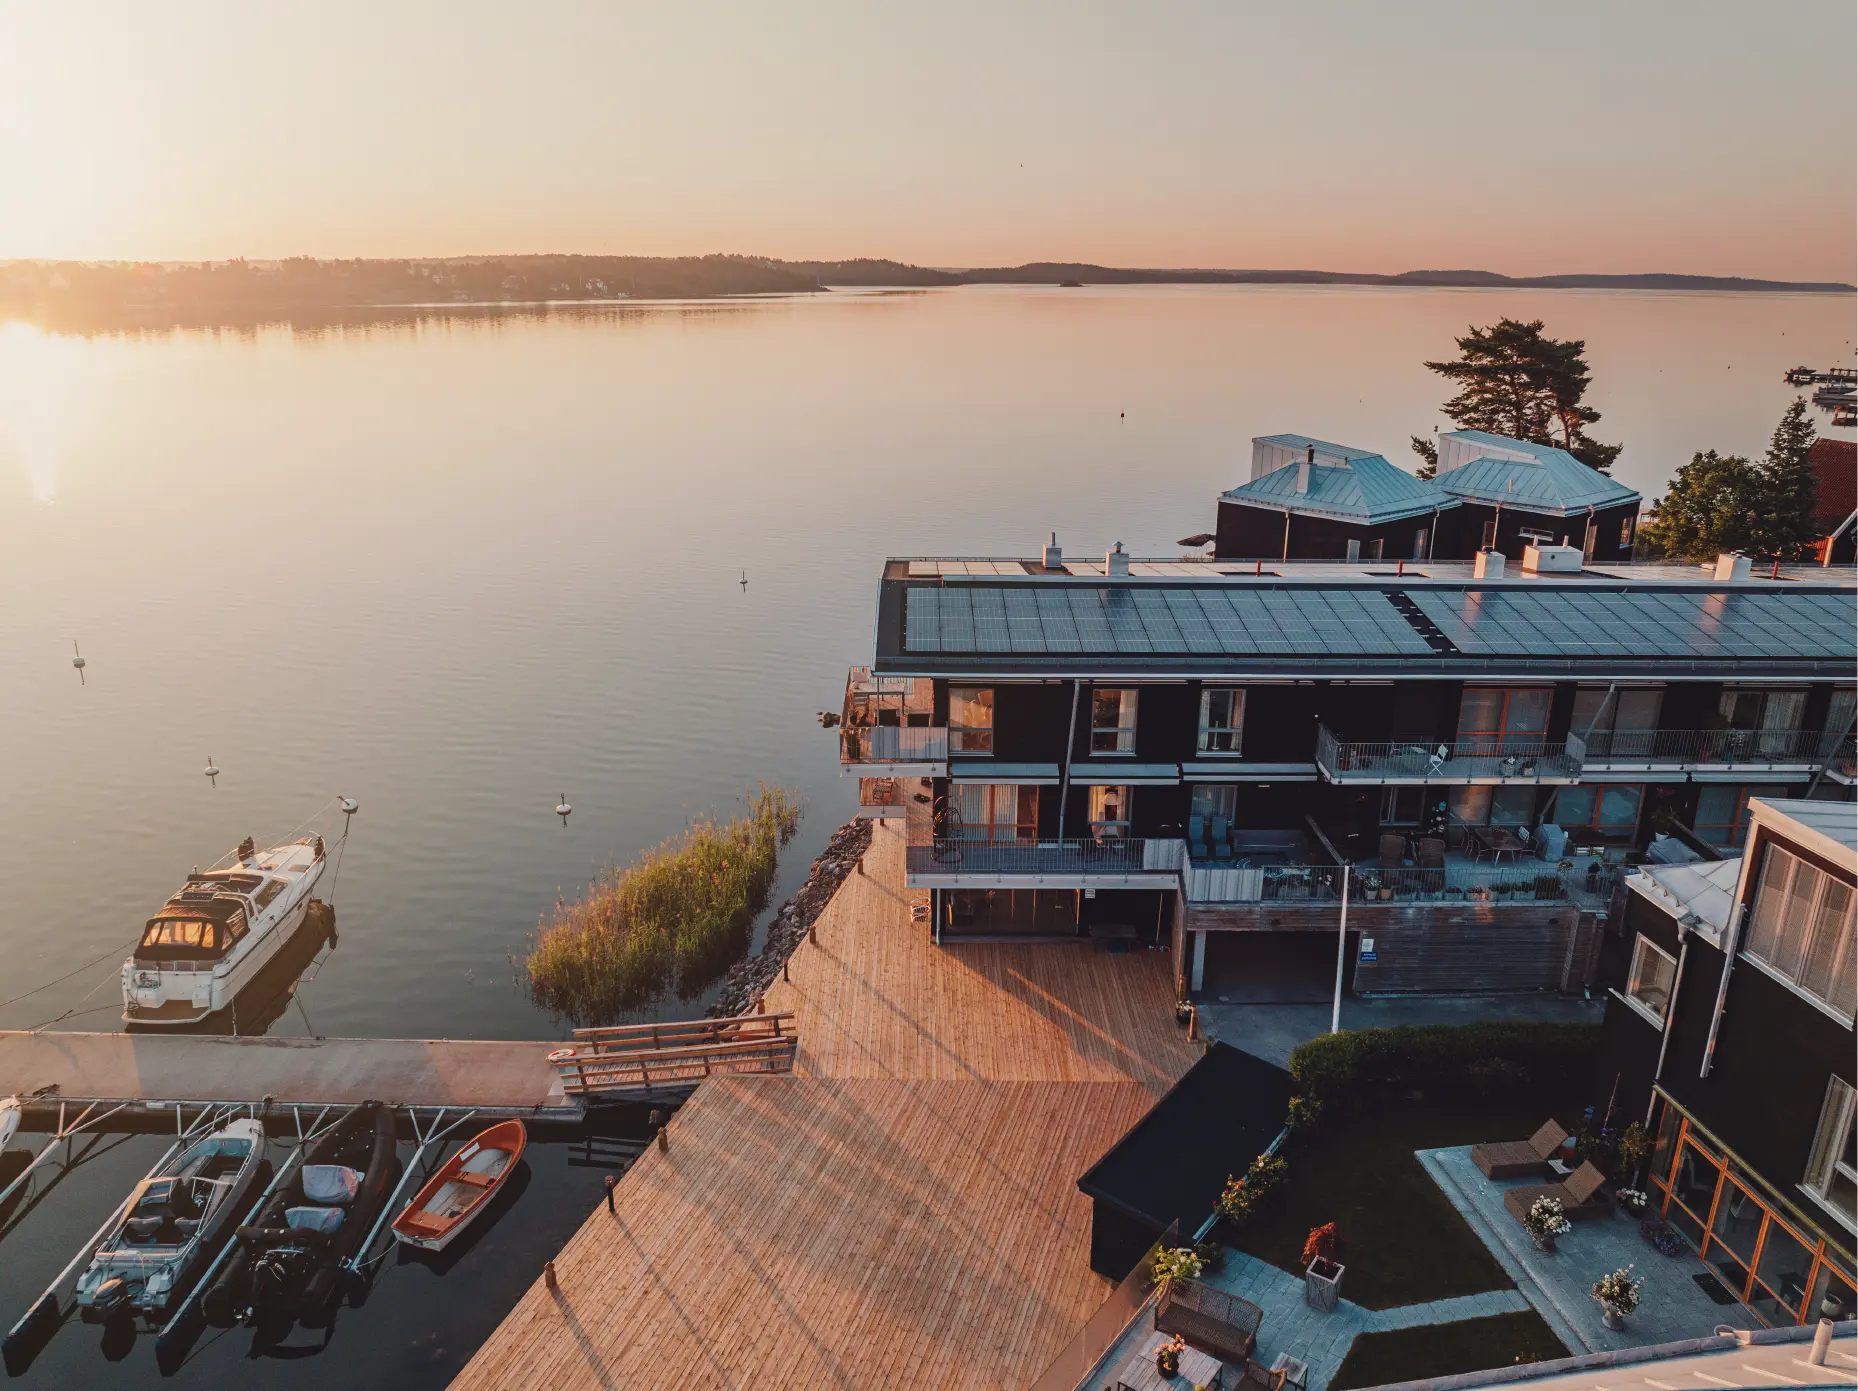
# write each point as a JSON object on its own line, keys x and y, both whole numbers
{"x": 1324, "y": 449}
{"x": 1542, "y": 479}
{"x": 1365, "y": 489}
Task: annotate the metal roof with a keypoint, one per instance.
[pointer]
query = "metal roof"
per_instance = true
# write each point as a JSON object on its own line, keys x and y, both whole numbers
{"x": 1535, "y": 477}
{"x": 1362, "y": 488}
{"x": 1831, "y": 828}
{"x": 1324, "y": 449}
{"x": 1706, "y": 888}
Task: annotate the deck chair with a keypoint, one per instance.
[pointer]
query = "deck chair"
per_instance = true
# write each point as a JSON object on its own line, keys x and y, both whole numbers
{"x": 1430, "y": 852}
{"x": 1520, "y": 1158}
{"x": 1222, "y": 847}
{"x": 1579, "y": 1195}
{"x": 1435, "y": 761}
{"x": 1393, "y": 851}
{"x": 1196, "y": 838}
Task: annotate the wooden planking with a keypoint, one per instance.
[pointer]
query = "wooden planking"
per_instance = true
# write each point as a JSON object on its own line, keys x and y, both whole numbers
{"x": 875, "y": 997}
{"x": 831, "y": 1232}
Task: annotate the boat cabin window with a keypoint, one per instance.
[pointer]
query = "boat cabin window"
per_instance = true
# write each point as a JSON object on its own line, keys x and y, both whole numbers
{"x": 179, "y": 932}
{"x": 272, "y": 888}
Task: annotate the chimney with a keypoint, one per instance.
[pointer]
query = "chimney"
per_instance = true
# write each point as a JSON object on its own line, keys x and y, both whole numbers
{"x": 1303, "y": 470}
{"x": 1054, "y": 557}
{"x": 1489, "y": 565}
{"x": 1116, "y": 562}
{"x": 1732, "y": 566}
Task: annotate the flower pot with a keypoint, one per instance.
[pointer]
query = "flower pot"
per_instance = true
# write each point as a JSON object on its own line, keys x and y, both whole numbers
{"x": 1544, "y": 1244}
{"x": 1322, "y": 1284}
{"x": 1612, "y": 1318}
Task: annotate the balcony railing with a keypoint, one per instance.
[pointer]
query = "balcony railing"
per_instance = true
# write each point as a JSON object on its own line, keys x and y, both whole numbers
{"x": 1511, "y": 759}
{"x": 1527, "y": 883}
{"x": 892, "y": 744}
{"x": 1113, "y": 858}
{"x": 1681, "y": 748}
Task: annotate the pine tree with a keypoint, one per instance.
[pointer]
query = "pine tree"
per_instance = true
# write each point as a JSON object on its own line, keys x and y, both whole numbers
{"x": 1713, "y": 505}
{"x": 1514, "y": 381}
{"x": 1788, "y": 502}
{"x": 1429, "y": 456}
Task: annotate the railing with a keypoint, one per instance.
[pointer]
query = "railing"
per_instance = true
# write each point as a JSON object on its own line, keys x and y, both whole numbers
{"x": 1761, "y": 748}
{"x": 641, "y": 1057}
{"x": 1109, "y": 857}
{"x": 886, "y": 743}
{"x": 1530, "y": 882}
{"x": 1522, "y": 759}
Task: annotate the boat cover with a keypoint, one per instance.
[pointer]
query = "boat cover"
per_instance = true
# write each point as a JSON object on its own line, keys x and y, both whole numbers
{"x": 314, "y": 1219}
{"x": 330, "y": 1183}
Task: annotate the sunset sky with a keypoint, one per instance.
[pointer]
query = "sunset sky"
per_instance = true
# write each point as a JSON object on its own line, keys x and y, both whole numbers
{"x": 1704, "y": 137}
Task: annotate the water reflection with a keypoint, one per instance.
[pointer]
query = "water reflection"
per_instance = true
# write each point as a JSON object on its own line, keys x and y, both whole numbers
{"x": 268, "y": 994}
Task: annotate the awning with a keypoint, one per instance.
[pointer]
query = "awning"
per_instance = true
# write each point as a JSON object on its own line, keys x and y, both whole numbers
{"x": 1108, "y": 773}
{"x": 990, "y": 770}
{"x": 1234, "y": 770}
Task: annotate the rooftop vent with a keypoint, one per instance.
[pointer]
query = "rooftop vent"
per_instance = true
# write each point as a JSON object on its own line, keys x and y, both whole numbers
{"x": 1116, "y": 562}
{"x": 1732, "y": 566}
{"x": 1489, "y": 565}
{"x": 1551, "y": 560}
{"x": 1054, "y": 557}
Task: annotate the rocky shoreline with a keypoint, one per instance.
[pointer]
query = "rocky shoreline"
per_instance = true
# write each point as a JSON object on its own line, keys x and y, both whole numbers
{"x": 748, "y": 980}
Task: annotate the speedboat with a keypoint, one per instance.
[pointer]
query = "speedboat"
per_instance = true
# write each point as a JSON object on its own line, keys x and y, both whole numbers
{"x": 9, "y": 1121}
{"x": 462, "y": 1188}
{"x": 215, "y": 934}
{"x": 174, "y": 1221}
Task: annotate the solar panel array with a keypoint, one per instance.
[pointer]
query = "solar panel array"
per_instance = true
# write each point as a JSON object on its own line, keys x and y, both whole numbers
{"x": 1149, "y": 619}
{"x": 1643, "y": 622}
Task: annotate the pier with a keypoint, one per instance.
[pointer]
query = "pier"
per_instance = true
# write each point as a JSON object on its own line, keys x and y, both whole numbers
{"x": 903, "y": 1208}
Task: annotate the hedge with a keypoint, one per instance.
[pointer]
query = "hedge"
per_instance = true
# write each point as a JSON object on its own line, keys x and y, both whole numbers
{"x": 1486, "y": 1056}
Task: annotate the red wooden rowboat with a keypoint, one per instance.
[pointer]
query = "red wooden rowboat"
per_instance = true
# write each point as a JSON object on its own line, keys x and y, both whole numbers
{"x": 462, "y": 1188}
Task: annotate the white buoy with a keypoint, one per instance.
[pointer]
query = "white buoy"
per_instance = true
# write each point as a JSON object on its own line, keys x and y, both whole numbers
{"x": 349, "y": 806}
{"x": 77, "y": 660}
{"x": 562, "y": 809}
{"x": 212, "y": 773}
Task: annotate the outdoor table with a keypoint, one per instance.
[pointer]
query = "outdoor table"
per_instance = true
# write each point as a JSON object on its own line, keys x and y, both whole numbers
{"x": 1138, "y": 1372}
{"x": 1296, "y": 1372}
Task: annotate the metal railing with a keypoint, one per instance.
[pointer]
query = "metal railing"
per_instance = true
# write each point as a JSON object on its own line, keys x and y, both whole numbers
{"x": 1680, "y": 747}
{"x": 893, "y": 744}
{"x": 1520, "y": 758}
{"x": 1110, "y": 856}
{"x": 640, "y": 1057}
{"x": 1525, "y": 883}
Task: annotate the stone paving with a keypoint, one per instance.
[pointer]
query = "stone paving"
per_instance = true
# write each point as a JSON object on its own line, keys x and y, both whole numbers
{"x": 1319, "y": 1339}
{"x": 1559, "y": 1284}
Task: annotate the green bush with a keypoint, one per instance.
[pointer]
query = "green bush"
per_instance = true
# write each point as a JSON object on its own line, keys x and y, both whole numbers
{"x": 1487, "y": 1056}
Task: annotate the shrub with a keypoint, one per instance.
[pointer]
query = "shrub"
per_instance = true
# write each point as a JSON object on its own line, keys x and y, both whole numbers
{"x": 1212, "y": 1255}
{"x": 1243, "y": 1197}
{"x": 681, "y": 914}
{"x": 1635, "y": 1147}
{"x": 1321, "y": 1244}
{"x": 1177, "y": 1263}
{"x": 1338, "y": 1068}
{"x": 1303, "y": 1114}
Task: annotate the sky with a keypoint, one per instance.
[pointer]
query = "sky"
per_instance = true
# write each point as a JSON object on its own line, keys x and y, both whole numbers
{"x": 1699, "y": 137}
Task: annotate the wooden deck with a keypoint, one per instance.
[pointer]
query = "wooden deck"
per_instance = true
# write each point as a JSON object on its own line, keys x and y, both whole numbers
{"x": 902, "y": 1211}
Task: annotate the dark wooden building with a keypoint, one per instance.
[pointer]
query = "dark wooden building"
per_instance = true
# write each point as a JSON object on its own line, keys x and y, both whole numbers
{"x": 1311, "y": 500}
{"x": 1514, "y": 494}
{"x": 1729, "y": 1029}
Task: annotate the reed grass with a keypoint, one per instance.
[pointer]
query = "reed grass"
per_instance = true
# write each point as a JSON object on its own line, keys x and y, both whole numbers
{"x": 679, "y": 916}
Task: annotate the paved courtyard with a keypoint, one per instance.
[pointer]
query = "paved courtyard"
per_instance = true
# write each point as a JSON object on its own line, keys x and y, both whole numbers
{"x": 1272, "y": 1031}
{"x": 1559, "y": 1285}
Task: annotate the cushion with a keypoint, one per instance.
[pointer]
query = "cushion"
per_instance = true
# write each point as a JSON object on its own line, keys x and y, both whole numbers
{"x": 313, "y": 1219}
{"x": 330, "y": 1183}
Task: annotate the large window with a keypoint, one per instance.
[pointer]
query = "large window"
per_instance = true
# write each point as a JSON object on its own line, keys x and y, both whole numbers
{"x": 1112, "y": 719}
{"x": 1832, "y": 1170}
{"x": 1623, "y": 722}
{"x": 1802, "y": 927}
{"x": 1211, "y": 799}
{"x": 1648, "y": 985}
{"x": 1222, "y": 718}
{"x": 1497, "y": 718}
{"x": 1109, "y": 811}
{"x": 970, "y": 719}
{"x": 1774, "y": 715}
{"x": 1610, "y": 811}
{"x": 1722, "y": 811}
{"x": 1483, "y": 805}
{"x": 1840, "y": 709}
{"x": 996, "y": 811}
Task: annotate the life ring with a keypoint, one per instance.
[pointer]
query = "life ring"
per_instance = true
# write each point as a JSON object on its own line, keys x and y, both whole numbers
{"x": 561, "y": 1055}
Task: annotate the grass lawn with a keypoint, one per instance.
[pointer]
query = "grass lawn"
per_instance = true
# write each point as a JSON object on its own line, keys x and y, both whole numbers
{"x": 1402, "y": 1241}
{"x": 1445, "y": 1349}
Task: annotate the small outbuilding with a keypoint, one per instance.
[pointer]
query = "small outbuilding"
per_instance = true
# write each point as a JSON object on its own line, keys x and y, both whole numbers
{"x": 1514, "y": 494}
{"x": 1308, "y": 499}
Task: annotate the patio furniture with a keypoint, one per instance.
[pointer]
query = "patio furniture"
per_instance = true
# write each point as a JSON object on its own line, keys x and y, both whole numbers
{"x": 1393, "y": 851}
{"x": 1217, "y": 1323}
{"x": 1257, "y": 1375}
{"x": 1520, "y": 1158}
{"x": 1429, "y": 852}
{"x": 1222, "y": 848}
{"x": 1296, "y": 1371}
{"x": 1435, "y": 761}
{"x": 1579, "y": 1195}
{"x": 1139, "y": 1373}
{"x": 1196, "y": 838}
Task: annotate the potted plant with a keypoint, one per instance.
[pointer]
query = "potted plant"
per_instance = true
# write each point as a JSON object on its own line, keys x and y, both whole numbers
{"x": 1168, "y": 1356}
{"x": 1618, "y": 1294}
{"x": 1177, "y": 1263}
{"x": 1544, "y": 1222}
{"x": 1660, "y": 1235}
{"x": 1632, "y": 1201}
{"x": 1212, "y": 1255}
{"x": 1322, "y": 1273}
{"x": 1635, "y": 1147}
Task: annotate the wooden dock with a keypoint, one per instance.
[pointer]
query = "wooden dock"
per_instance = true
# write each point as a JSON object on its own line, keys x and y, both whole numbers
{"x": 903, "y": 1209}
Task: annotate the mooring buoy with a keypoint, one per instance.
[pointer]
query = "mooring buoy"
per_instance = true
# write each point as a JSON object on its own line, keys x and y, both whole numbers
{"x": 77, "y": 660}
{"x": 562, "y": 809}
{"x": 212, "y": 773}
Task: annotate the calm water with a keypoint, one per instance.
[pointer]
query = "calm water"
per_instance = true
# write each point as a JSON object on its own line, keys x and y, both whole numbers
{"x": 456, "y": 568}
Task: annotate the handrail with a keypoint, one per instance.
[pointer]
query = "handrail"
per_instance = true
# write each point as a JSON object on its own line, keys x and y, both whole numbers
{"x": 1680, "y": 746}
{"x": 677, "y": 1026}
{"x": 1508, "y": 758}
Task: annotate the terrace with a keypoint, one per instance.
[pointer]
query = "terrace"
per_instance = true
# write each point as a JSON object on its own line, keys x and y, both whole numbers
{"x": 885, "y": 730}
{"x": 1509, "y": 759}
{"x": 1667, "y": 751}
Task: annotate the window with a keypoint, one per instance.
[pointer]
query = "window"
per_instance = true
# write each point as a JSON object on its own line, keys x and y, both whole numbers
{"x": 1211, "y": 799}
{"x": 1354, "y": 549}
{"x": 1590, "y": 541}
{"x": 1419, "y": 544}
{"x": 1625, "y": 533}
{"x": 1512, "y": 805}
{"x": 1832, "y": 1169}
{"x": 1612, "y": 810}
{"x": 970, "y": 719}
{"x": 1648, "y": 985}
{"x": 1624, "y": 722}
{"x": 1501, "y": 718}
{"x": 1109, "y": 811}
{"x": 1376, "y": 548}
{"x": 1405, "y": 806}
{"x": 996, "y": 811}
{"x": 1112, "y": 720}
{"x": 1802, "y": 928}
{"x": 1722, "y": 811}
{"x": 1839, "y": 712}
{"x": 1532, "y": 537}
{"x": 1775, "y": 715}
{"x": 1490, "y": 535}
{"x": 268, "y": 894}
{"x": 1222, "y": 718}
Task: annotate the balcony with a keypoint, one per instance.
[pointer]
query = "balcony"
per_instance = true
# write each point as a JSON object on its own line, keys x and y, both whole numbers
{"x": 1513, "y": 759}
{"x": 887, "y": 799}
{"x": 1716, "y": 750}
{"x": 1461, "y": 881}
{"x": 1110, "y": 862}
{"x": 884, "y": 730}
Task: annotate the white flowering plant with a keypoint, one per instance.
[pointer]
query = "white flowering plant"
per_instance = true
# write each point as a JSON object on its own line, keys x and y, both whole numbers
{"x": 1545, "y": 1220}
{"x": 1633, "y": 1200}
{"x": 1618, "y": 1291}
{"x": 1177, "y": 1263}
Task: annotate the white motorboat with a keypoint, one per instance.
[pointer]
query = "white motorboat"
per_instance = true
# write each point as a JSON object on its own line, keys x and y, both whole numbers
{"x": 213, "y": 936}
{"x": 174, "y": 1221}
{"x": 9, "y": 1121}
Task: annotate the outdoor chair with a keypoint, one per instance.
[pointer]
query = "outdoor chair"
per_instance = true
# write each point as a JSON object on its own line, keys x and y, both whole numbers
{"x": 1196, "y": 837}
{"x": 1258, "y": 1377}
{"x": 1222, "y": 847}
{"x": 1430, "y": 852}
{"x": 1435, "y": 761}
{"x": 1520, "y": 1158}
{"x": 1219, "y": 1324}
{"x": 1393, "y": 851}
{"x": 1579, "y": 1195}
